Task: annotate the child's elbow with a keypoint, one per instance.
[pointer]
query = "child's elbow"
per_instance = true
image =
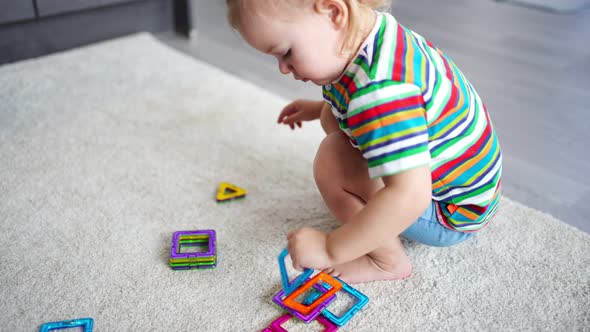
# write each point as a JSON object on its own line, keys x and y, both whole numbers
{"x": 422, "y": 188}
{"x": 425, "y": 192}
{"x": 415, "y": 185}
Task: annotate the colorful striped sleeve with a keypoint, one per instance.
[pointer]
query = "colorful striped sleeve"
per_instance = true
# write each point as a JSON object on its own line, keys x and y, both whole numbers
{"x": 388, "y": 121}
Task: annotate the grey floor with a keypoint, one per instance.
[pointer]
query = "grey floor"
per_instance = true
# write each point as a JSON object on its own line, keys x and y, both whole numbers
{"x": 531, "y": 67}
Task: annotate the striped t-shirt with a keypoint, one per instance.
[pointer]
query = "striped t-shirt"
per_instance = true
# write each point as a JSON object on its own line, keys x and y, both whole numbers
{"x": 405, "y": 104}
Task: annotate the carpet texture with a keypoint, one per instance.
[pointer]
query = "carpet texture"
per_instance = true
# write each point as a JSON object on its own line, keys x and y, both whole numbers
{"x": 107, "y": 150}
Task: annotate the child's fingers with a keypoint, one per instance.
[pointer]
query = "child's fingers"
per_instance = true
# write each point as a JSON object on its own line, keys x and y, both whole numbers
{"x": 292, "y": 118}
{"x": 282, "y": 116}
{"x": 295, "y": 118}
{"x": 296, "y": 265}
{"x": 295, "y": 261}
{"x": 286, "y": 112}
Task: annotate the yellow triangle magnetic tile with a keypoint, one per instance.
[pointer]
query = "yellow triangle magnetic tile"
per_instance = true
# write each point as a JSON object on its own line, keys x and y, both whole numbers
{"x": 228, "y": 191}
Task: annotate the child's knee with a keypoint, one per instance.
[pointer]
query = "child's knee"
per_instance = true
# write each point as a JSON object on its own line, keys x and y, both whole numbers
{"x": 322, "y": 159}
{"x": 326, "y": 163}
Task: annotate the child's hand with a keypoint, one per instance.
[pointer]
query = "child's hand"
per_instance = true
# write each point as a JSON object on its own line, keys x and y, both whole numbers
{"x": 300, "y": 110}
{"x": 307, "y": 248}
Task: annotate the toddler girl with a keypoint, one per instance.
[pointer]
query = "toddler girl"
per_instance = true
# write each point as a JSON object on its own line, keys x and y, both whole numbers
{"x": 409, "y": 150}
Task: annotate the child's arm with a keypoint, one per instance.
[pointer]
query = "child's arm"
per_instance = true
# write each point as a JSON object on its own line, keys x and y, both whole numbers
{"x": 391, "y": 210}
{"x": 301, "y": 110}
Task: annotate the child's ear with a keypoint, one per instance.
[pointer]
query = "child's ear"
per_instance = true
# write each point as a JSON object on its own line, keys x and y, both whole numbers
{"x": 335, "y": 10}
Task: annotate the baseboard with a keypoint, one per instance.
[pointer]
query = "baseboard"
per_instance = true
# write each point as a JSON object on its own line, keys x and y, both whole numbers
{"x": 559, "y": 6}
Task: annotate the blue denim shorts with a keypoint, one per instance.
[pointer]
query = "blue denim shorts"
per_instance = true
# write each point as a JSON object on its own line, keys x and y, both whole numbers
{"x": 427, "y": 230}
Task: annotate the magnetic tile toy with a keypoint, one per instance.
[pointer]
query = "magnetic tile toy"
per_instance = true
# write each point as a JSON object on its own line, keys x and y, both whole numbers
{"x": 289, "y": 287}
{"x": 314, "y": 305}
{"x": 319, "y": 290}
{"x": 361, "y": 301}
{"x": 276, "y": 325}
{"x": 85, "y": 323}
{"x": 179, "y": 236}
{"x": 193, "y": 267}
{"x": 198, "y": 260}
{"x": 227, "y": 192}
{"x": 291, "y": 300}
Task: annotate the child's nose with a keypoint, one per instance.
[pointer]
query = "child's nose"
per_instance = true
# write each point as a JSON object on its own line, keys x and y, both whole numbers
{"x": 284, "y": 67}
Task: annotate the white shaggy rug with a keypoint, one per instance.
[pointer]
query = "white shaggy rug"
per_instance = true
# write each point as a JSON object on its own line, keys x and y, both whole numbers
{"x": 106, "y": 150}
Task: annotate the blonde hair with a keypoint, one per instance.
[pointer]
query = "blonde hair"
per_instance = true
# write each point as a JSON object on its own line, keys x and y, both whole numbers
{"x": 354, "y": 9}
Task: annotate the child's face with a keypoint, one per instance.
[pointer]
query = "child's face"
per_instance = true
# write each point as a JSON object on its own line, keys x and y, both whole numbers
{"x": 306, "y": 42}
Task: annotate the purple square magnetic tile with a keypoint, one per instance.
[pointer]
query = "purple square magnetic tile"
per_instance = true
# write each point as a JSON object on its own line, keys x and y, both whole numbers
{"x": 174, "y": 251}
{"x": 278, "y": 299}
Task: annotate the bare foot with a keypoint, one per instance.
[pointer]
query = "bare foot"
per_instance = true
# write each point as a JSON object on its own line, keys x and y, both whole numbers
{"x": 367, "y": 268}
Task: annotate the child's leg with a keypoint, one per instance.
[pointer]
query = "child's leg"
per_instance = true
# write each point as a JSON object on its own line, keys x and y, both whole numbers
{"x": 342, "y": 178}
